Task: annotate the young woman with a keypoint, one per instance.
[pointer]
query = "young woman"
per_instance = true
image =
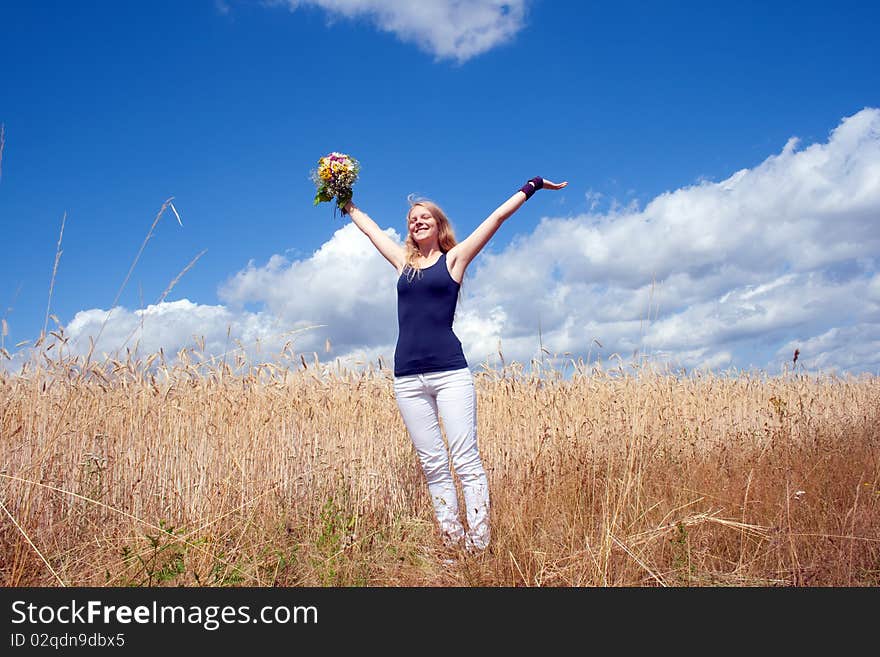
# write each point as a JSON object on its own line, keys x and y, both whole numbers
{"x": 432, "y": 380}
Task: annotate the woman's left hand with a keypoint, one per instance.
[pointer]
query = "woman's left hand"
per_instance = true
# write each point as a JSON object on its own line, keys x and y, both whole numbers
{"x": 549, "y": 184}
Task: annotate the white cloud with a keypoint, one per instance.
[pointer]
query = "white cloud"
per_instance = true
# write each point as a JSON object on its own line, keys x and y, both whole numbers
{"x": 733, "y": 267}
{"x": 346, "y": 285}
{"x": 447, "y": 29}
{"x": 344, "y": 293}
{"x": 173, "y": 325}
{"x": 839, "y": 349}
{"x": 737, "y": 273}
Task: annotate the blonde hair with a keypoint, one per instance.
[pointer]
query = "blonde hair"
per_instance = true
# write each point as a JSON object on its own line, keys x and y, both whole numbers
{"x": 445, "y": 234}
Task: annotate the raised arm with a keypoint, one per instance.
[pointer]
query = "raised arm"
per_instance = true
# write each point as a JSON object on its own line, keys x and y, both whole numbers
{"x": 392, "y": 251}
{"x": 460, "y": 256}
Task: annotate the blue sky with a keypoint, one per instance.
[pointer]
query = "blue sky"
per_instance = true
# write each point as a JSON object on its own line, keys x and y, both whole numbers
{"x": 693, "y": 229}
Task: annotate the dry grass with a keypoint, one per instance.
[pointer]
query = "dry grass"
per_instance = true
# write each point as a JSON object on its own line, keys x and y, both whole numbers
{"x": 295, "y": 473}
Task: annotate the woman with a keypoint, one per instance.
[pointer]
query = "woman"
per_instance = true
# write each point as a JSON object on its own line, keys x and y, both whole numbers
{"x": 432, "y": 380}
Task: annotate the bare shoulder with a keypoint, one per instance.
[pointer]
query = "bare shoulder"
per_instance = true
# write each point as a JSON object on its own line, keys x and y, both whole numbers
{"x": 454, "y": 257}
{"x": 399, "y": 252}
{"x": 396, "y": 255}
{"x": 455, "y": 263}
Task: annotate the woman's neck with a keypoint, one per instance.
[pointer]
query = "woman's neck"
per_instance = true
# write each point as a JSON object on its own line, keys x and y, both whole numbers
{"x": 429, "y": 251}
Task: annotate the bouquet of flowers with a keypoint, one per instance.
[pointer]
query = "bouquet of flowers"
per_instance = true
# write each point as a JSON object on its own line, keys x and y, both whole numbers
{"x": 334, "y": 178}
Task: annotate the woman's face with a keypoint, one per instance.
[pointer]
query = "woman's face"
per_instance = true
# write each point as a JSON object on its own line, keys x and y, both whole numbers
{"x": 422, "y": 224}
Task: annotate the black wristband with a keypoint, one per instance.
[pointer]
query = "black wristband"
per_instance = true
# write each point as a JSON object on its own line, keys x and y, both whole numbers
{"x": 532, "y": 186}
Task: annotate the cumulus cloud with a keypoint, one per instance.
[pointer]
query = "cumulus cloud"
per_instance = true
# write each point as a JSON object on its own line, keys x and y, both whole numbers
{"x": 731, "y": 274}
{"x": 785, "y": 250}
{"x": 841, "y": 349}
{"x": 339, "y": 302}
{"x": 447, "y": 29}
{"x": 173, "y": 325}
{"x": 346, "y": 285}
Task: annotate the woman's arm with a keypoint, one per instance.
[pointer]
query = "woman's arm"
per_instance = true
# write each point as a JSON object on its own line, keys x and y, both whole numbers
{"x": 392, "y": 251}
{"x": 460, "y": 255}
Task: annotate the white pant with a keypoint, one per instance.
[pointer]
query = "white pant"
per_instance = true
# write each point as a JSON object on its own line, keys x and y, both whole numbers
{"x": 424, "y": 399}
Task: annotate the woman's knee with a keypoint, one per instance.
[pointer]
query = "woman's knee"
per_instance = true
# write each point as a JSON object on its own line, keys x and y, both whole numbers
{"x": 469, "y": 467}
{"x": 435, "y": 467}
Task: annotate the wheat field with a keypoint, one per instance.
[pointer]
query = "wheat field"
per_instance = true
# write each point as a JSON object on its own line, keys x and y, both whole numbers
{"x": 140, "y": 472}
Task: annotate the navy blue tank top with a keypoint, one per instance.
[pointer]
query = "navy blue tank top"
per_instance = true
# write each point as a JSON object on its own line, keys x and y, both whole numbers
{"x": 425, "y": 310}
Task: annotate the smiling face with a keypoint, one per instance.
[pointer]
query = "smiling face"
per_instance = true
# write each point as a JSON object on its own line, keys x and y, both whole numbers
{"x": 422, "y": 224}
{"x": 427, "y": 229}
